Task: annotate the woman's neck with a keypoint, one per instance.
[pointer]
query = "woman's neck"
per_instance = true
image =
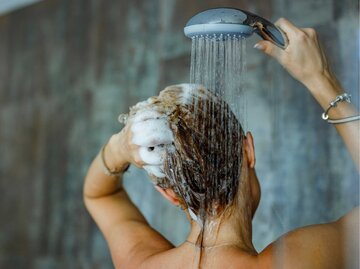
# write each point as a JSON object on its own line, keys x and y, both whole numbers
{"x": 234, "y": 231}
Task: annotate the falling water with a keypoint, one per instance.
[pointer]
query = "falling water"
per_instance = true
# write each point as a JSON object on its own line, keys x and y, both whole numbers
{"x": 219, "y": 63}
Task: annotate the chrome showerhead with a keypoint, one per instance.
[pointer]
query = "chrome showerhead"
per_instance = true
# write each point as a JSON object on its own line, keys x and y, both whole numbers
{"x": 220, "y": 22}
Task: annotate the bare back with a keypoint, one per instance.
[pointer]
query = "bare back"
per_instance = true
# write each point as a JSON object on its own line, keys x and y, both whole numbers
{"x": 324, "y": 246}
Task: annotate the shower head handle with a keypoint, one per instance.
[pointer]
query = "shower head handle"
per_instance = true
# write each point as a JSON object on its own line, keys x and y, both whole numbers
{"x": 266, "y": 29}
{"x": 232, "y": 21}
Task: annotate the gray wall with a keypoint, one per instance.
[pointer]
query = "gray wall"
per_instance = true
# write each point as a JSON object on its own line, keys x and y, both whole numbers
{"x": 68, "y": 68}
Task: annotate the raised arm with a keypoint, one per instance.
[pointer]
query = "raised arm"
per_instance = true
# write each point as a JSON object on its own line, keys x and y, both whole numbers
{"x": 305, "y": 60}
{"x": 131, "y": 240}
{"x": 332, "y": 245}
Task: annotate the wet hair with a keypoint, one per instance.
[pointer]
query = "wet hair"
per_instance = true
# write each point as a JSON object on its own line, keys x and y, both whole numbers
{"x": 203, "y": 163}
{"x": 204, "y": 169}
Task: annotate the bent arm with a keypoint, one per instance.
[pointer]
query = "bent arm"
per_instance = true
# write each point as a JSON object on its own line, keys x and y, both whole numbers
{"x": 99, "y": 187}
{"x": 332, "y": 245}
{"x": 122, "y": 224}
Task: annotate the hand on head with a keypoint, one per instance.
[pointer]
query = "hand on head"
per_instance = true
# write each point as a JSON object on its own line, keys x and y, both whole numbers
{"x": 124, "y": 149}
{"x": 303, "y": 58}
{"x": 145, "y": 138}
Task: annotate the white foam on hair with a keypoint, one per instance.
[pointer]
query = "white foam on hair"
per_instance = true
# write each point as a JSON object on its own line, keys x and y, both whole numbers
{"x": 150, "y": 125}
{"x": 146, "y": 114}
{"x": 152, "y": 132}
{"x": 188, "y": 92}
{"x": 155, "y": 170}
{"x": 189, "y": 86}
{"x": 152, "y": 155}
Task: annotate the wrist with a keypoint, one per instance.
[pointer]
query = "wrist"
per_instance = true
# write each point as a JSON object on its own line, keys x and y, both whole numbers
{"x": 318, "y": 81}
{"x": 325, "y": 89}
{"x": 113, "y": 154}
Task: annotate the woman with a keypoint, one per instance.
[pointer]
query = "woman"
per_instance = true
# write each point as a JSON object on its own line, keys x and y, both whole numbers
{"x": 220, "y": 226}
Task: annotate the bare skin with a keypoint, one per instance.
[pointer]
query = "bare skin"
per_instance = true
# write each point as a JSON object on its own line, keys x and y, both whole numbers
{"x": 134, "y": 244}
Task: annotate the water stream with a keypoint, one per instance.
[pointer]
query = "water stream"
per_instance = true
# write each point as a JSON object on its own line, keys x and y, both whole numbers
{"x": 219, "y": 64}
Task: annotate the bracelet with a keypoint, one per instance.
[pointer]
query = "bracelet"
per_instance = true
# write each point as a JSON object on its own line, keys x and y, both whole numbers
{"x": 344, "y": 120}
{"x": 107, "y": 170}
{"x": 340, "y": 98}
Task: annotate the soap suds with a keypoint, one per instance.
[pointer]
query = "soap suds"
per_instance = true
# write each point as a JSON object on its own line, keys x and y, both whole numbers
{"x": 155, "y": 170}
{"x": 151, "y": 132}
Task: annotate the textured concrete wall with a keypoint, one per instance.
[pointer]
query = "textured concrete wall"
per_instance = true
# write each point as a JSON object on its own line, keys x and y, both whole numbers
{"x": 68, "y": 68}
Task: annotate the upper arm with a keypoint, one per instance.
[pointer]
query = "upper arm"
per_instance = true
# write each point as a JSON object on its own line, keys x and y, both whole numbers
{"x": 135, "y": 242}
{"x": 333, "y": 245}
{"x": 348, "y": 231}
{"x": 125, "y": 229}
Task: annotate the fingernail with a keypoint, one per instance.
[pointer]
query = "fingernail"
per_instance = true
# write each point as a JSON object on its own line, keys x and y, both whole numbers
{"x": 258, "y": 47}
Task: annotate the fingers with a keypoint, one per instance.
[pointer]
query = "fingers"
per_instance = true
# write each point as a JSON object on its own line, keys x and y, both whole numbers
{"x": 270, "y": 49}
{"x": 147, "y": 156}
{"x": 148, "y": 138}
{"x": 289, "y": 28}
{"x": 152, "y": 155}
{"x": 309, "y": 32}
{"x": 292, "y": 31}
{"x": 151, "y": 139}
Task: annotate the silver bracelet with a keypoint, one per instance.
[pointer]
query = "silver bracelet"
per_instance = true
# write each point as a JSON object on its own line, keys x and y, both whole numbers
{"x": 344, "y": 120}
{"x": 345, "y": 97}
{"x": 340, "y": 98}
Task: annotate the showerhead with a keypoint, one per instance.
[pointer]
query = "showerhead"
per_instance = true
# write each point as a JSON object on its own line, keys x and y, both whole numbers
{"x": 220, "y": 22}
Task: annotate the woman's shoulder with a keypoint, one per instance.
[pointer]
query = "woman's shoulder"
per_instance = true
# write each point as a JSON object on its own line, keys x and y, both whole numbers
{"x": 188, "y": 257}
{"x": 314, "y": 246}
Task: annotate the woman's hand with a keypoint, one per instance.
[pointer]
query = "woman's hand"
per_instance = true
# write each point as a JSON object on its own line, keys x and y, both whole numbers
{"x": 303, "y": 58}
{"x": 140, "y": 143}
{"x": 121, "y": 151}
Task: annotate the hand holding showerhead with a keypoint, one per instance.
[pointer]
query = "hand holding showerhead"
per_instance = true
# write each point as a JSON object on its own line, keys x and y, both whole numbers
{"x": 306, "y": 61}
{"x": 304, "y": 58}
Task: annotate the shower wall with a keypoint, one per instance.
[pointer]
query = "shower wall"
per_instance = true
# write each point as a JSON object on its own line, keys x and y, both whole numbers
{"x": 68, "y": 68}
